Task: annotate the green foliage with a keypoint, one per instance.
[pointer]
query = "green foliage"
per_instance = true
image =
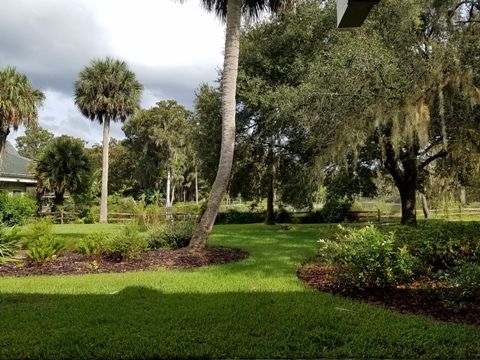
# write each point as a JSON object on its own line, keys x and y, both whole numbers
{"x": 16, "y": 209}
{"x": 36, "y": 229}
{"x": 9, "y": 238}
{"x": 45, "y": 248}
{"x": 40, "y": 241}
{"x": 464, "y": 281}
{"x": 441, "y": 245}
{"x": 369, "y": 257}
{"x": 93, "y": 244}
{"x": 283, "y": 216}
{"x": 127, "y": 243}
{"x": 233, "y": 216}
{"x": 335, "y": 208}
{"x": 33, "y": 142}
{"x": 172, "y": 234}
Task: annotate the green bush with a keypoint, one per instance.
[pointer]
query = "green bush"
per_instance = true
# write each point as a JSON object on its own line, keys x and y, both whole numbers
{"x": 172, "y": 234}
{"x": 441, "y": 245}
{"x": 335, "y": 209}
{"x": 313, "y": 217}
{"x": 369, "y": 258}
{"x": 126, "y": 243}
{"x": 93, "y": 244}
{"x": 464, "y": 281}
{"x": 9, "y": 238}
{"x": 283, "y": 216}
{"x": 16, "y": 209}
{"x": 39, "y": 228}
{"x": 45, "y": 248}
{"x": 237, "y": 217}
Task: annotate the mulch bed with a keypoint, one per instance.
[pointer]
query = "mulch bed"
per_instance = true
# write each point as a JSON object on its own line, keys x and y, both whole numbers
{"x": 76, "y": 263}
{"x": 418, "y": 299}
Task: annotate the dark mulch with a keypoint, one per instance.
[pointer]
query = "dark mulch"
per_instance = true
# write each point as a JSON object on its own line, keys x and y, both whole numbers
{"x": 75, "y": 263}
{"x": 420, "y": 298}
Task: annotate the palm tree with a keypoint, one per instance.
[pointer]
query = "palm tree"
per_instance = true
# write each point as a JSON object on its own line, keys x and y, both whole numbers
{"x": 18, "y": 103}
{"x": 107, "y": 90}
{"x": 63, "y": 166}
{"x": 233, "y": 17}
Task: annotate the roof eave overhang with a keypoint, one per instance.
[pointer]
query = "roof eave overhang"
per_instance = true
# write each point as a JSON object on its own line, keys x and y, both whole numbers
{"x": 352, "y": 13}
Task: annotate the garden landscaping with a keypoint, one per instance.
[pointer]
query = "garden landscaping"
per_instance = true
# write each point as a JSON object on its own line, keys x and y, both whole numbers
{"x": 166, "y": 303}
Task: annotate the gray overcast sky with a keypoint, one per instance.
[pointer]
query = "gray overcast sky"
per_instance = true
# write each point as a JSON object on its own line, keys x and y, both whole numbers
{"x": 171, "y": 47}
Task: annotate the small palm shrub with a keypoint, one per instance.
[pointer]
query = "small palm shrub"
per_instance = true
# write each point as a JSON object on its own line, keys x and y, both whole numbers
{"x": 45, "y": 248}
{"x": 172, "y": 234}
{"x": 369, "y": 258}
{"x": 126, "y": 243}
{"x": 37, "y": 229}
{"x": 93, "y": 244}
{"x": 9, "y": 238}
{"x": 16, "y": 209}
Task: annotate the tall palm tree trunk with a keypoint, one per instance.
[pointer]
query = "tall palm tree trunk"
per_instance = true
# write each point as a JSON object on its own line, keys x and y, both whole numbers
{"x": 4, "y": 131}
{"x": 104, "y": 195}
{"x": 230, "y": 70}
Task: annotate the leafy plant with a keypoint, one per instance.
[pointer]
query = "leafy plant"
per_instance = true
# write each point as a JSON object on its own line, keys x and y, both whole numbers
{"x": 93, "y": 244}
{"x": 16, "y": 209}
{"x": 172, "y": 234}
{"x": 39, "y": 228}
{"x": 369, "y": 257}
{"x": 464, "y": 281}
{"x": 9, "y": 238}
{"x": 126, "y": 243}
{"x": 45, "y": 248}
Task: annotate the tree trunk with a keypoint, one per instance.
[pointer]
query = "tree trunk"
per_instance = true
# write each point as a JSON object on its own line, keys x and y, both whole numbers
{"x": 3, "y": 142}
{"x": 230, "y": 70}
{"x": 463, "y": 197}
{"x": 408, "y": 192}
{"x": 104, "y": 194}
{"x": 58, "y": 200}
{"x": 169, "y": 180}
{"x": 270, "y": 216}
{"x": 196, "y": 186}
{"x": 425, "y": 208}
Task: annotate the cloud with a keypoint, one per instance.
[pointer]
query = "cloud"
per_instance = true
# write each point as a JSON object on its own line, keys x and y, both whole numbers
{"x": 171, "y": 47}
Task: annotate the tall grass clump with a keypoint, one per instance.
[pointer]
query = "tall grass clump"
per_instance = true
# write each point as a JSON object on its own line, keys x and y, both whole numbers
{"x": 172, "y": 234}
{"x": 93, "y": 244}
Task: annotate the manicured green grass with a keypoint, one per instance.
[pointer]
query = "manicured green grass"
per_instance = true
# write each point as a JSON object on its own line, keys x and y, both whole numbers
{"x": 255, "y": 308}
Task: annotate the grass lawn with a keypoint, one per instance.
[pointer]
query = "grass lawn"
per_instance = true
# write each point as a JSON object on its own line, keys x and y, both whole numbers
{"x": 255, "y": 308}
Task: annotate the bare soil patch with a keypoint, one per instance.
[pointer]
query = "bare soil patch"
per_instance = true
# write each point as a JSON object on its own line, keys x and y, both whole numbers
{"x": 421, "y": 298}
{"x": 75, "y": 263}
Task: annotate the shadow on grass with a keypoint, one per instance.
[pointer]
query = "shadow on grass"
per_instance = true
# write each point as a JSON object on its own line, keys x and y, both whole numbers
{"x": 139, "y": 322}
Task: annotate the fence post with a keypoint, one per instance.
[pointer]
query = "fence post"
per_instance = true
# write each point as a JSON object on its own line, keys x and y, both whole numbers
{"x": 378, "y": 214}
{"x": 61, "y": 216}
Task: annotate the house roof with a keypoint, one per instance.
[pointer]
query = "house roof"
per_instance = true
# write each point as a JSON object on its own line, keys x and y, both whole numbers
{"x": 14, "y": 165}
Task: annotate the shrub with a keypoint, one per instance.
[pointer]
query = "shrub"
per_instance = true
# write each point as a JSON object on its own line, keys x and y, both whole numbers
{"x": 39, "y": 228}
{"x": 236, "y": 217}
{"x": 464, "y": 281}
{"x": 283, "y": 216}
{"x": 45, "y": 248}
{"x": 369, "y": 258}
{"x": 126, "y": 243}
{"x": 9, "y": 238}
{"x": 441, "y": 245}
{"x": 313, "y": 217}
{"x": 335, "y": 209}
{"x": 172, "y": 234}
{"x": 93, "y": 244}
{"x": 16, "y": 209}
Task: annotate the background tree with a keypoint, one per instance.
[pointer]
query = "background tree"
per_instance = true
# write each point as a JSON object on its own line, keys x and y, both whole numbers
{"x": 107, "y": 91}
{"x": 394, "y": 90}
{"x": 63, "y": 166}
{"x": 33, "y": 142}
{"x": 19, "y": 102}
{"x": 231, "y": 11}
{"x": 159, "y": 138}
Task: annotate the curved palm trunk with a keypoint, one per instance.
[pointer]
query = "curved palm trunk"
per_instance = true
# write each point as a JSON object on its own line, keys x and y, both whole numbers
{"x": 103, "y": 198}
{"x": 4, "y": 131}
{"x": 230, "y": 70}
